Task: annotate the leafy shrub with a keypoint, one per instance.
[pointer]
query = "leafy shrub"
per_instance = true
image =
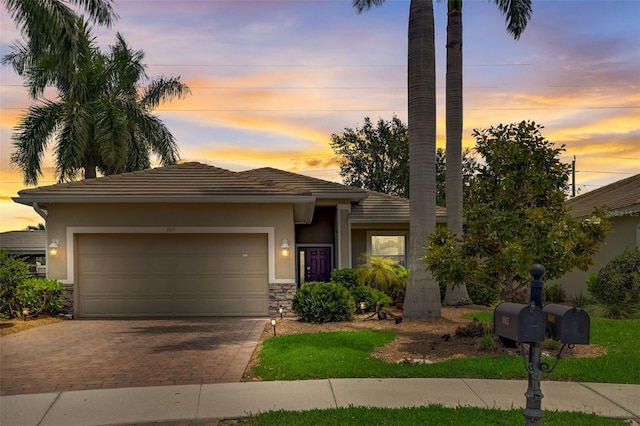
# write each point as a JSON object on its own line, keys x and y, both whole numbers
{"x": 554, "y": 293}
{"x": 13, "y": 272}
{"x": 397, "y": 294}
{"x": 345, "y": 277}
{"x": 39, "y": 295}
{"x": 516, "y": 295}
{"x": 481, "y": 295}
{"x": 370, "y": 296}
{"x": 381, "y": 273}
{"x": 487, "y": 342}
{"x": 617, "y": 285}
{"x": 474, "y": 329}
{"x": 319, "y": 302}
{"x": 403, "y": 274}
{"x": 580, "y": 299}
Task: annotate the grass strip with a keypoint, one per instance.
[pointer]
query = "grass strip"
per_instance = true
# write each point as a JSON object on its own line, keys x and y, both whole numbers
{"x": 431, "y": 415}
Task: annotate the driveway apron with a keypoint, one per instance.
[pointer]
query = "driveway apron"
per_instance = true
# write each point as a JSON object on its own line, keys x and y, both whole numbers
{"x": 103, "y": 354}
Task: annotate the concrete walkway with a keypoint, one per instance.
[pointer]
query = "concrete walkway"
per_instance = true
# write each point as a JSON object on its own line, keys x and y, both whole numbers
{"x": 209, "y": 402}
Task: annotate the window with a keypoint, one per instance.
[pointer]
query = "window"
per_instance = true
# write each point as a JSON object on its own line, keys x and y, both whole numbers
{"x": 391, "y": 245}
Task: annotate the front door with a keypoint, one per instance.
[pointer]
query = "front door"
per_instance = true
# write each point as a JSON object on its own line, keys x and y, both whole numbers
{"x": 315, "y": 264}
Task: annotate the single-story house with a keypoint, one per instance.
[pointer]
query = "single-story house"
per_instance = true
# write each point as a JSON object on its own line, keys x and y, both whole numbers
{"x": 197, "y": 240}
{"x": 623, "y": 200}
{"x": 29, "y": 246}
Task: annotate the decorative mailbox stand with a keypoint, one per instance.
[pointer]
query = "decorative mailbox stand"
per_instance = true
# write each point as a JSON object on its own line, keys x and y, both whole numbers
{"x": 528, "y": 325}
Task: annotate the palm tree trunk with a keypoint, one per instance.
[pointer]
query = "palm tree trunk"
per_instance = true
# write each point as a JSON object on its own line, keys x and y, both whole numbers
{"x": 453, "y": 179}
{"x": 454, "y": 104}
{"x": 422, "y": 298}
{"x": 89, "y": 172}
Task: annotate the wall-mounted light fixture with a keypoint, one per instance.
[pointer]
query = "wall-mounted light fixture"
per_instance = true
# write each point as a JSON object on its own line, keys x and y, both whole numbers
{"x": 285, "y": 248}
{"x": 53, "y": 247}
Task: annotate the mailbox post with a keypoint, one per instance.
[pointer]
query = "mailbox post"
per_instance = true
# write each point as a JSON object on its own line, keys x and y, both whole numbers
{"x": 529, "y": 324}
{"x": 533, "y": 411}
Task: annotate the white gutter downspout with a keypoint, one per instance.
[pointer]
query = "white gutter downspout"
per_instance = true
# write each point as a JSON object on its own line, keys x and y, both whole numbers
{"x": 40, "y": 211}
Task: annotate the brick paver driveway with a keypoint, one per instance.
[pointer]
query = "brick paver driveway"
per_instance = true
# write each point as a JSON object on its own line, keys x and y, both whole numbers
{"x": 97, "y": 354}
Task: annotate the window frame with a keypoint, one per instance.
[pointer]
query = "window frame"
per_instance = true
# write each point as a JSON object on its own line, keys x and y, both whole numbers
{"x": 389, "y": 233}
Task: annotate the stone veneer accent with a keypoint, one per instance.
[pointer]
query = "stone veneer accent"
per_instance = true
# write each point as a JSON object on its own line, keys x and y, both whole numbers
{"x": 281, "y": 295}
{"x": 67, "y": 299}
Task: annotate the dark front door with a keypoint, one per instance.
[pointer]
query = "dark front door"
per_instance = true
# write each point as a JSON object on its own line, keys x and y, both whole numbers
{"x": 316, "y": 263}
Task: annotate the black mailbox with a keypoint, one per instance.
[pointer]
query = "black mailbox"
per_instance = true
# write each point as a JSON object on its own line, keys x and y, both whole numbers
{"x": 519, "y": 322}
{"x": 569, "y": 325}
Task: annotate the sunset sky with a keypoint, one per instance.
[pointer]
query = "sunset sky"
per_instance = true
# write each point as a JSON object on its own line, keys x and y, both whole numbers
{"x": 272, "y": 80}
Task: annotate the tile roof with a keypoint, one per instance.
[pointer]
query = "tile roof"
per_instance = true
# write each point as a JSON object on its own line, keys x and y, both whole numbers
{"x": 380, "y": 207}
{"x": 180, "y": 182}
{"x": 300, "y": 182}
{"x": 24, "y": 241}
{"x": 620, "y": 196}
{"x": 196, "y": 182}
{"x": 368, "y": 207}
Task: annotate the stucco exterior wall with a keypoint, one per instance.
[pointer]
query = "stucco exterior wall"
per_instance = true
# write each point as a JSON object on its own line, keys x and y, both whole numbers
{"x": 320, "y": 230}
{"x": 358, "y": 246}
{"x": 625, "y": 233}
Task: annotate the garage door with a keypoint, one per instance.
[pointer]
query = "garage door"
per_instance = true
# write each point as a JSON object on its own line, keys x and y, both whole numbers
{"x": 138, "y": 275}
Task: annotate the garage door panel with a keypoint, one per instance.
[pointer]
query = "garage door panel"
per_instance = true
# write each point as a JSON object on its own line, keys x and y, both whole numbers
{"x": 254, "y": 306}
{"x": 172, "y": 275}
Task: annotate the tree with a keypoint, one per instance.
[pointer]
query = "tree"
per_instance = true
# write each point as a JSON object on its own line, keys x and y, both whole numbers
{"x": 517, "y": 13}
{"x": 423, "y": 294}
{"x": 101, "y": 119}
{"x": 375, "y": 158}
{"x": 516, "y": 217}
{"x": 38, "y": 227}
{"x": 50, "y": 30}
{"x": 469, "y": 164}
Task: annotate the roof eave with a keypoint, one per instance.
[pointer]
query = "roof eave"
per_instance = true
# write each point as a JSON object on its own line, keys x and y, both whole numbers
{"x": 353, "y": 197}
{"x": 227, "y": 199}
{"x": 380, "y": 219}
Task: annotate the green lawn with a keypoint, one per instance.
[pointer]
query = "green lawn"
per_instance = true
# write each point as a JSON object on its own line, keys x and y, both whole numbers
{"x": 348, "y": 354}
{"x": 432, "y": 415}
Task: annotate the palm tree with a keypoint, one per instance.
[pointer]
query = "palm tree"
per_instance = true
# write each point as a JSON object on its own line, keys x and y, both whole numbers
{"x": 101, "y": 119}
{"x": 517, "y": 14}
{"x": 49, "y": 27}
{"x": 422, "y": 297}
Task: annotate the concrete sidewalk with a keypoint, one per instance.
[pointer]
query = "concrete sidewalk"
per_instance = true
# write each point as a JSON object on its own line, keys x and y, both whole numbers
{"x": 233, "y": 400}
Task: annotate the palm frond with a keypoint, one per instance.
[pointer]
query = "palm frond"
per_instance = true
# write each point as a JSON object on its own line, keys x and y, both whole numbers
{"x": 517, "y": 14}
{"x": 74, "y": 148}
{"x": 159, "y": 139}
{"x": 164, "y": 89}
{"x": 124, "y": 67}
{"x": 32, "y": 136}
{"x": 138, "y": 158}
{"x": 100, "y": 11}
{"x": 365, "y": 5}
{"x": 111, "y": 136}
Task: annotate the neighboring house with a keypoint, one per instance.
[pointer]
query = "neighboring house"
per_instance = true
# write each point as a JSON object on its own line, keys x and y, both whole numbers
{"x": 623, "y": 200}
{"x": 27, "y": 245}
{"x": 193, "y": 239}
